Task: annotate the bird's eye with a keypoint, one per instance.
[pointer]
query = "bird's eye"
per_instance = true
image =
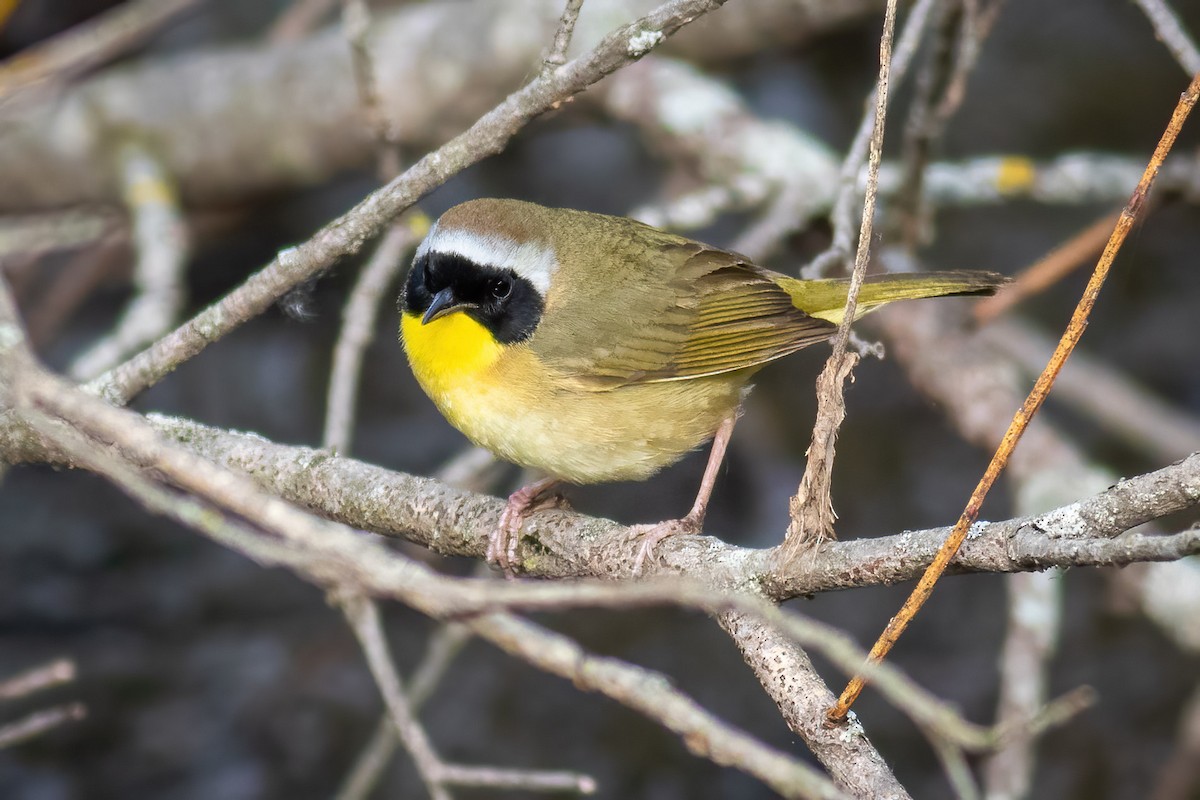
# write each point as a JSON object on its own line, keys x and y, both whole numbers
{"x": 500, "y": 288}
{"x": 427, "y": 271}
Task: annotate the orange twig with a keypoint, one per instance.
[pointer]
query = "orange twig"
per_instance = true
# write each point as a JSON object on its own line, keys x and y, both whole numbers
{"x": 1070, "y": 338}
{"x": 1049, "y": 269}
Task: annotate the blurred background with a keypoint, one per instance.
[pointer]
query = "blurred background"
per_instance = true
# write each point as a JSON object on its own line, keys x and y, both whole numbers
{"x": 207, "y": 676}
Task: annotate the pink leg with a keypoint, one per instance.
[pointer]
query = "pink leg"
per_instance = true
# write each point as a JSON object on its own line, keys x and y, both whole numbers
{"x": 694, "y": 521}
{"x": 502, "y": 545}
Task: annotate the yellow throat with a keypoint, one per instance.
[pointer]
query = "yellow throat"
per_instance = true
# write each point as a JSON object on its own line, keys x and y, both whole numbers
{"x": 447, "y": 351}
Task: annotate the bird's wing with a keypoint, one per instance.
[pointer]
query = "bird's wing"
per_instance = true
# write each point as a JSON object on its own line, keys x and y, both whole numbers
{"x": 686, "y": 312}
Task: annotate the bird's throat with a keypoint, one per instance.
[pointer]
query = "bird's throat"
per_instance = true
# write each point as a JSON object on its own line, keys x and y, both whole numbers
{"x": 448, "y": 350}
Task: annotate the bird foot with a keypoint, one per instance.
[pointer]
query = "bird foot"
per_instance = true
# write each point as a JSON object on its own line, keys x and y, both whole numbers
{"x": 652, "y": 534}
{"x": 502, "y": 544}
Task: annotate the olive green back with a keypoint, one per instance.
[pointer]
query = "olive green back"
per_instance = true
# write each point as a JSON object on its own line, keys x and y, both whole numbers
{"x": 632, "y": 304}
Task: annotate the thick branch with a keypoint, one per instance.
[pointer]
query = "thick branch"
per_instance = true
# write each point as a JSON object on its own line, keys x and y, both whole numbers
{"x": 455, "y": 522}
{"x": 788, "y": 676}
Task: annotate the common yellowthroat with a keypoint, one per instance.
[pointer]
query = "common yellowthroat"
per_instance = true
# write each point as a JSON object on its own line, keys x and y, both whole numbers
{"x": 596, "y": 348}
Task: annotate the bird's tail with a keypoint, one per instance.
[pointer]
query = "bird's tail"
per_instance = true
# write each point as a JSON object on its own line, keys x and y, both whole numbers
{"x": 826, "y": 299}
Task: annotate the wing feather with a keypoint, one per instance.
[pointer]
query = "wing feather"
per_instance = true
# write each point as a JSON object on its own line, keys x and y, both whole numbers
{"x": 680, "y": 310}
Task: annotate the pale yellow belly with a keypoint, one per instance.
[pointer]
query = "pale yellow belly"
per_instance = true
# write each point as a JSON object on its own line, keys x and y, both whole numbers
{"x": 523, "y": 413}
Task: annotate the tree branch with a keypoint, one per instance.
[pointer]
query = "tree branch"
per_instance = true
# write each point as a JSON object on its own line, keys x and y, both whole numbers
{"x": 347, "y": 234}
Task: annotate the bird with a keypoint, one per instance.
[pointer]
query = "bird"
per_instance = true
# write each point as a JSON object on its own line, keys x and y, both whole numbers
{"x": 594, "y": 348}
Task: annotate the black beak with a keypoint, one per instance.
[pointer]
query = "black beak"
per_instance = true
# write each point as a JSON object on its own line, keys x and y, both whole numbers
{"x": 443, "y": 303}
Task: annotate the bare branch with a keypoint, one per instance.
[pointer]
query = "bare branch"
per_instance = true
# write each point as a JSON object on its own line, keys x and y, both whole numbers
{"x": 332, "y": 555}
{"x": 1037, "y": 396}
{"x": 160, "y": 238}
{"x": 1049, "y": 269}
{"x": 742, "y": 158}
{"x": 38, "y": 234}
{"x": 38, "y": 723}
{"x": 445, "y": 644}
{"x": 811, "y": 508}
{"x": 348, "y": 233}
{"x": 453, "y": 522}
{"x": 557, "y": 55}
{"x": 1072, "y": 178}
{"x": 54, "y": 673}
{"x": 940, "y": 90}
{"x": 845, "y": 201}
{"x": 358, "y": 326}
{"x": 788, "y": 676}
{"x": 363, "y": 616}
{"x": 1034, "y": 617}
{"x": 1170, "y": 32}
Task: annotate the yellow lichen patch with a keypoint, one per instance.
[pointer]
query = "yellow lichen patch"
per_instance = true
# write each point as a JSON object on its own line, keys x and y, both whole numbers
{"x": 1016, "y": 174}
{"x": 418, "y": 223}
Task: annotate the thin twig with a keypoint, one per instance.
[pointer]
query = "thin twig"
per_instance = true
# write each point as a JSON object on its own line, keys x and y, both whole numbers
{"x": 363, "y": 615}
{"x": 54, "y": 673}
{"x": 445, "y": 644}
{"x": 160, "y": 237}
{"x": 954, "y": 764}
{"x": 811, "y": 508}
{"x": 1170, "y": 32}
{"x": 38, "y": 234}
{"x": 373, "y": 760}
{"x": 38, "y": 723}
{"x": 1034, "y": 620}
{"x": 72, "y": 285}
{"x": 358, "y": 326}
{"x": 940, "y": 90}
{"x": 785, "y": 214}
{"x": 1033, "y": 402}
{"x": 919, "y": 134}
{"x": 845, "y": 202}
{"x": 649, "y": 693}
{"x": 87, "y": 45}
{"x": 557, "y": 55}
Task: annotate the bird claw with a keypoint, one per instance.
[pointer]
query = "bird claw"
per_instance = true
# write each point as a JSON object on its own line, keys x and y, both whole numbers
{"x": 502, "y": 544}
{"x": 503, "y": 541}
{"x": 652, "y": 534}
